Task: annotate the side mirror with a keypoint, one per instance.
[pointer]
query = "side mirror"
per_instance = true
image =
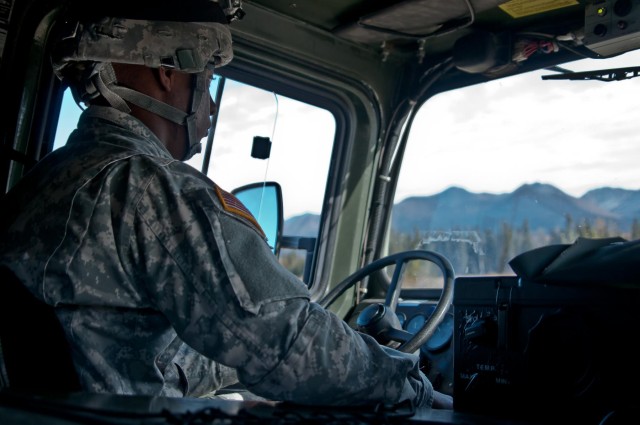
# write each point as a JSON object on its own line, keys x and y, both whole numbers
{"x": 264, "y": 201}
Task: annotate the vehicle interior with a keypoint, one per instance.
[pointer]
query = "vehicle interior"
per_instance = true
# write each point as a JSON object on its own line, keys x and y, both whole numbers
{"x": 519, "y": 299}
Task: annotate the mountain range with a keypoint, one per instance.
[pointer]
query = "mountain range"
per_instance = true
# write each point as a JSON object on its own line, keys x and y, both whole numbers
{"x": 543, "y": 206}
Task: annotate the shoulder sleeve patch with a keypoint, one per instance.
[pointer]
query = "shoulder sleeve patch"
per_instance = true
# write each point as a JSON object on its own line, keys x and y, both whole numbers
{"x": 232, "y": 205}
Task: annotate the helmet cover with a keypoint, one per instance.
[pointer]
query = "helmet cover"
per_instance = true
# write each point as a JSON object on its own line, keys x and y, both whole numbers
{"x": 188, "y": 39}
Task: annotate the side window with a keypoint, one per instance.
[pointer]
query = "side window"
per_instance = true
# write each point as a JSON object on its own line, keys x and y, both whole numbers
{"x": 68, "y": 120}
{"x": 301, "y": 140}
{"x": 494, "y": 170}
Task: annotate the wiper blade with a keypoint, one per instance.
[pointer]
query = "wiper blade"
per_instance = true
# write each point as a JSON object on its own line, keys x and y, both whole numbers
{"x": 606, "y": 75}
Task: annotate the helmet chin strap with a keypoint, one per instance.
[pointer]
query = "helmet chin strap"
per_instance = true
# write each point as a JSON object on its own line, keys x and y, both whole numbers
{"x": 199, "y": 89}
{"x": 105, "y": 81}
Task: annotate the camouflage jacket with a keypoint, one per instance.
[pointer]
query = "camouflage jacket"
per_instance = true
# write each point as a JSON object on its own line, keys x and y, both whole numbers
{"x": 159, "y": 281}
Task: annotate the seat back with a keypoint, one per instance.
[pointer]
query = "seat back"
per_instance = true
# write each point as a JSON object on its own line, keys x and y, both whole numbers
{"x": 34, "y": 352}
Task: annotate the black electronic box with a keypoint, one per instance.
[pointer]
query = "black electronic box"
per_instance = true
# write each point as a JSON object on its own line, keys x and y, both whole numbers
{"x": 527, "y": 349}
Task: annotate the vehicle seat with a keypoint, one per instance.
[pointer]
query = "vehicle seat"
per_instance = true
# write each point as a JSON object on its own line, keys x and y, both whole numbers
{"x": 34, "y": 353}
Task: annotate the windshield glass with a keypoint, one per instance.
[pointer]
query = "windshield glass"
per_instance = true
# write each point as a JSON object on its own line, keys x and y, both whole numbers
{"x": 496, "y": 169}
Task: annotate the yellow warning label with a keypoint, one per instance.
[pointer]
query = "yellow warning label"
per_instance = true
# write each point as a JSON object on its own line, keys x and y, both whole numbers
{"x": 521, "y": 8}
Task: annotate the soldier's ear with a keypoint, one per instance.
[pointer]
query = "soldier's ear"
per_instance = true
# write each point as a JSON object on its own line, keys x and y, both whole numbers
{"x": 166, "y": 78}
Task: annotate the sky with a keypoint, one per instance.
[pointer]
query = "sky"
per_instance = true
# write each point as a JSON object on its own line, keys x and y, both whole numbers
{"x": 576, "y": 135}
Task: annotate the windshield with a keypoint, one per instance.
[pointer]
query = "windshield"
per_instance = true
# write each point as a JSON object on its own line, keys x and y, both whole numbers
{"x": 500, "y": 168}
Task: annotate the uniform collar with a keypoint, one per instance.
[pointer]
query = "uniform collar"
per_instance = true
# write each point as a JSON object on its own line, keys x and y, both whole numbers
{"x": 147, "y": 139}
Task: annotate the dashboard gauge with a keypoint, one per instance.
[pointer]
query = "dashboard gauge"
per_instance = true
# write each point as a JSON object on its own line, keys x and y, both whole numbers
{"x": 415, "y": 324}
{"x": 402, "y": 318}
{"x": 442, "y": 335}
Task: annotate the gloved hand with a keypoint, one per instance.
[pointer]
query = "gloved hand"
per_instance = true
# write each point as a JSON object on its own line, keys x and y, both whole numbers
{"x": 442, "y": 401}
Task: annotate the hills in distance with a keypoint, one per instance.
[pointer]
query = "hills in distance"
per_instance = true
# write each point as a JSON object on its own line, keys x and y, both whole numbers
{"x": 542, "y": 206}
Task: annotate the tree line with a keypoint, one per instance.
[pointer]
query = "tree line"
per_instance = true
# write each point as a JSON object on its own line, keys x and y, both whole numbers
{"x": 488, "y": 251}
{"x": 481, "y": 251}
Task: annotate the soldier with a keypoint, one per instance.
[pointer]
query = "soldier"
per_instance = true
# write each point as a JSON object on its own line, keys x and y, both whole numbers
{"x": 163, "y": 283}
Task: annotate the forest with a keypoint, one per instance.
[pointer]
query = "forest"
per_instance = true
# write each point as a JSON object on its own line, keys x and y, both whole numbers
{"x": 480, "y": 251}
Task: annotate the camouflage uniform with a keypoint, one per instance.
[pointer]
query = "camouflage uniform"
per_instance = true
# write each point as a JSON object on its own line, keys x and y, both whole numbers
{"x": 159, "y": 277}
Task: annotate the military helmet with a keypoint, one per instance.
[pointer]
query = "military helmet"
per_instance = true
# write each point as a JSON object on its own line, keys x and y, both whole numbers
{"x": 188, "y": 35}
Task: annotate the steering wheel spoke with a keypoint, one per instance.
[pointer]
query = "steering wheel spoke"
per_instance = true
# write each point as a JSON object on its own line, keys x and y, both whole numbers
{"x": 398, "y": 335}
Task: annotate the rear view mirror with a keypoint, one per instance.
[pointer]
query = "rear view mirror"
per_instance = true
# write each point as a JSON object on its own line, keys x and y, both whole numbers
{"x": 264, "y": 201}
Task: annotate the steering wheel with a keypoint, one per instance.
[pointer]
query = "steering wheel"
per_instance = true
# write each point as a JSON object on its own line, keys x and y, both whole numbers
{"x": 380, "y": 320}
